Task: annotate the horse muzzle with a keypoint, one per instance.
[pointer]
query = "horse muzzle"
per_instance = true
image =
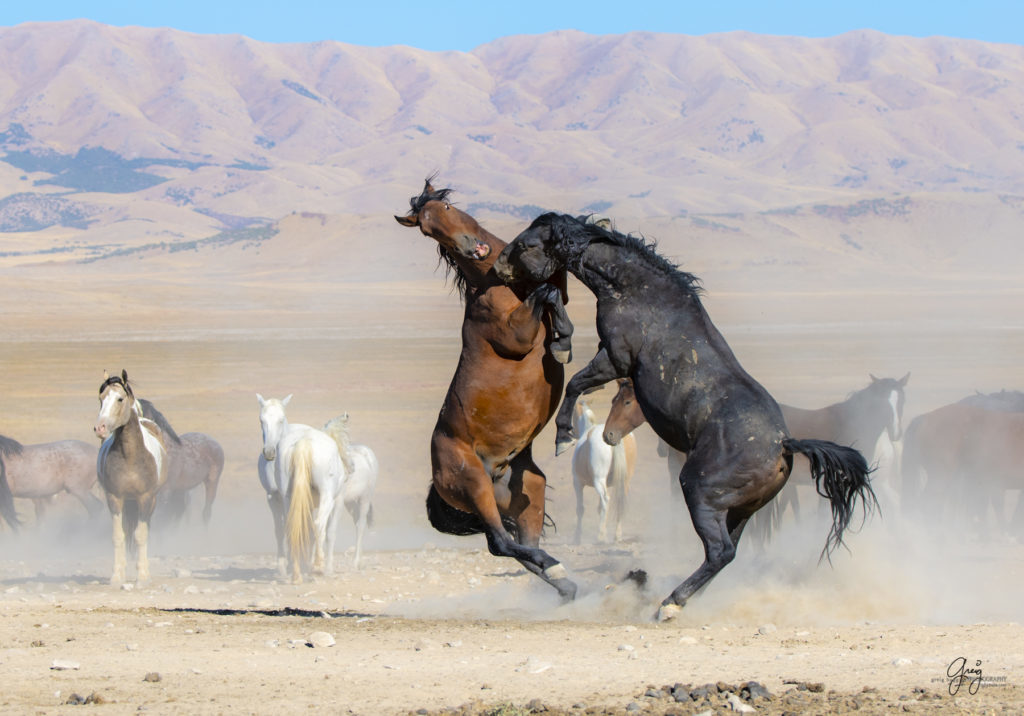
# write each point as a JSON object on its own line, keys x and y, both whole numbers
{"x": 269, "y": 454}
{"x": 100, "y": 429}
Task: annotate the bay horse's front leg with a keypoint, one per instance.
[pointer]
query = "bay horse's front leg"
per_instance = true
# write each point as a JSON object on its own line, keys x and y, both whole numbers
{"x": 595, "y": 374}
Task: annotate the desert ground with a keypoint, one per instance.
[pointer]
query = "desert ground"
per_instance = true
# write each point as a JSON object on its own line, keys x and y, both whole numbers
{"x": 432, "y": 623}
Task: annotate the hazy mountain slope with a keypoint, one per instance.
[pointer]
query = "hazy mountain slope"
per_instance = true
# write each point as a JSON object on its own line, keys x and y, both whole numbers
{"x": 156, "y": 134}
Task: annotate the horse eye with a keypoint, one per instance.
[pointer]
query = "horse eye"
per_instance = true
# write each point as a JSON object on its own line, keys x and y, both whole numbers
{"x": 447, "y": 207}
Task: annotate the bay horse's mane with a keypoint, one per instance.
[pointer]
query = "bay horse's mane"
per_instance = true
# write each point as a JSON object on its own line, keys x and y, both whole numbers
{"x": 416, "y": 203}
{"x": 573, "y": 234}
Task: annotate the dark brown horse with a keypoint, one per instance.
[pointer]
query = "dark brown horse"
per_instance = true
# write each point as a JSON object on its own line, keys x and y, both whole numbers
{"x": 961, "y": 458}
{"x": 505, "y": 389}
{"x": 690, "y": 386}
{"x": 193, "y": 459}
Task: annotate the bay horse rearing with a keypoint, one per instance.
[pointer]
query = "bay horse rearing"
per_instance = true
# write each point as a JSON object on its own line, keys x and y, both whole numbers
{"x": 505, "y": 389}
{"x": 693, "y": 391}
{"x": 131, "y": 467}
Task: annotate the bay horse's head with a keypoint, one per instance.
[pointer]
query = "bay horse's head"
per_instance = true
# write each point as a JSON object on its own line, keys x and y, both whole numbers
{"x": 117, "y": 402}
{"x": 625, "y": 415}
{"x": 273, "y": 423}
{"x": 546, "y": 246}
{"x": 454, "y": 230}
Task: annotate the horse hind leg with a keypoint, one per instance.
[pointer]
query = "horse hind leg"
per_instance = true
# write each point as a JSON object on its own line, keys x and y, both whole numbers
{"x": 602, "y": 510}
{"x": 360, "y": 511}
{"x": 719, "y": 531}
{"x": 527, "y": 485}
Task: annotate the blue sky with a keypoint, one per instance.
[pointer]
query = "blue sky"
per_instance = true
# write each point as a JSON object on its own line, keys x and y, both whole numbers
{"x": 462, "y": 25}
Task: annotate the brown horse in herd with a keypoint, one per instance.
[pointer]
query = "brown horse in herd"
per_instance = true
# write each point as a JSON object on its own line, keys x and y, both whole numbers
{"x": 506, "y": 387}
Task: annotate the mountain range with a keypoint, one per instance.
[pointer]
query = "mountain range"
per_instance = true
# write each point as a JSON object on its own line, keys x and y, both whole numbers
{"x": 113, "y": 138}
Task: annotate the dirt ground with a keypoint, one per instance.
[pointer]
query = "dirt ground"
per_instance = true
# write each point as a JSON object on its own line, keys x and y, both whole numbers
{"x": 433, "y": 623}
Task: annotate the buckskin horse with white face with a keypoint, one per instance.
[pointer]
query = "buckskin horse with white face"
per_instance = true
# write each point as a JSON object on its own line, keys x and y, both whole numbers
{"x": 505, "y": 389}
{"x": 691, "y": 388}
{"x": 131, "y": 467}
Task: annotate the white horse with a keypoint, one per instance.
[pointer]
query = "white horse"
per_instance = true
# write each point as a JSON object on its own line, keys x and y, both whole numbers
{"x": 607, "y": 469}
{"x": 305, "y": 477}
{"x": 357, "y": 493}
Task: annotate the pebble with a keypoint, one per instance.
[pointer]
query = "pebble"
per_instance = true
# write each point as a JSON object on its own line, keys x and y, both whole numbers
{"x": 902, "y": 661}
{"x": 191, "y": 589}
{"x": 625, "y": 647}
{"x": 64, "y": 665}
{"x": 152, "y": 677}
{"x": 687, "y": 640}
{"x": 320, "y": 640}
{"x": 182, "y": 573}
{"x": 736, "y": 704}
{"x": 767, "y": 629}
{"x": 533, "y": 665}
{"x": 425, "y": 645}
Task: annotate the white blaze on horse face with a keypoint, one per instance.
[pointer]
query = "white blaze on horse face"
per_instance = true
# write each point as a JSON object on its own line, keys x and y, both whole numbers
{"x": 273, "y": 423}
{"x": 111, "y": 415}
{"x": 895, "y": 428}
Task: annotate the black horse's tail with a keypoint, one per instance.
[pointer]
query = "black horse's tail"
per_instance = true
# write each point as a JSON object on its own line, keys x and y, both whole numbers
{"x": 841, "y": 474}
{"x": 7, "y": 510}
{"x": 453, "y": 521}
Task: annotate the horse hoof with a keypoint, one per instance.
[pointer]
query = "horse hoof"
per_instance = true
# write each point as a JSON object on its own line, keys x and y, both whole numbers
{"x": 566, "y": 590}
{"x": 562, "y": 446}
{"x": 668, "y": 612}
{"x": 562, "y": 356}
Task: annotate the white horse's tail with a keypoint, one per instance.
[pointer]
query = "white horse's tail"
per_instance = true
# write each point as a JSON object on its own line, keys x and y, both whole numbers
{"x": 618, "y": 481}
{"x": 301, "y": 501}
{"x": 337, "y": 428}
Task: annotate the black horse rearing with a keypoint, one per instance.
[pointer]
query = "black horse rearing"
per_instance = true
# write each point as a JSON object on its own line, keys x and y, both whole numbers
{"x": 694, "y": 393}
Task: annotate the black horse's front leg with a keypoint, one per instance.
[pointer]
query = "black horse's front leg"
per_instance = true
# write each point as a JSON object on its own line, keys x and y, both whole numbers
{"x": 595, "y": 374}
{"x": 561, "y": 326}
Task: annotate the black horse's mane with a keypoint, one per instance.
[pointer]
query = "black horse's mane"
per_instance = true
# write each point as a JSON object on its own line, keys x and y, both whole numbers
{"x": 451, "y": 268}
{"x": 573, "y": 234}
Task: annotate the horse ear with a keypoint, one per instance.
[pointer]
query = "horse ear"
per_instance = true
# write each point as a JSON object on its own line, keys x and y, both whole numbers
{"x": 260, "y": 399}
{"x": 873, "y": 378}
{"x": 904, "y": 379}
{"x": 106, "y": 376}
{"x": 285, "y": 401}
{"x": 408, "y": 220}
{"x": 124, "y": 375}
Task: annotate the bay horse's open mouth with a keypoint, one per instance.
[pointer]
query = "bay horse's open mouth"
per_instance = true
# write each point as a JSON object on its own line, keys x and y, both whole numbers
{"x": 480, "y": 251}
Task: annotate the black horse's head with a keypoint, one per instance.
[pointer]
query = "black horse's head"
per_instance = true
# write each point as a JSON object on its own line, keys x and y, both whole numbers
{"x": 547, "y": 246}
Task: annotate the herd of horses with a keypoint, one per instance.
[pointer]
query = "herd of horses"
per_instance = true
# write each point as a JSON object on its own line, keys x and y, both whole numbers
{"x": 729, "y": 446}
